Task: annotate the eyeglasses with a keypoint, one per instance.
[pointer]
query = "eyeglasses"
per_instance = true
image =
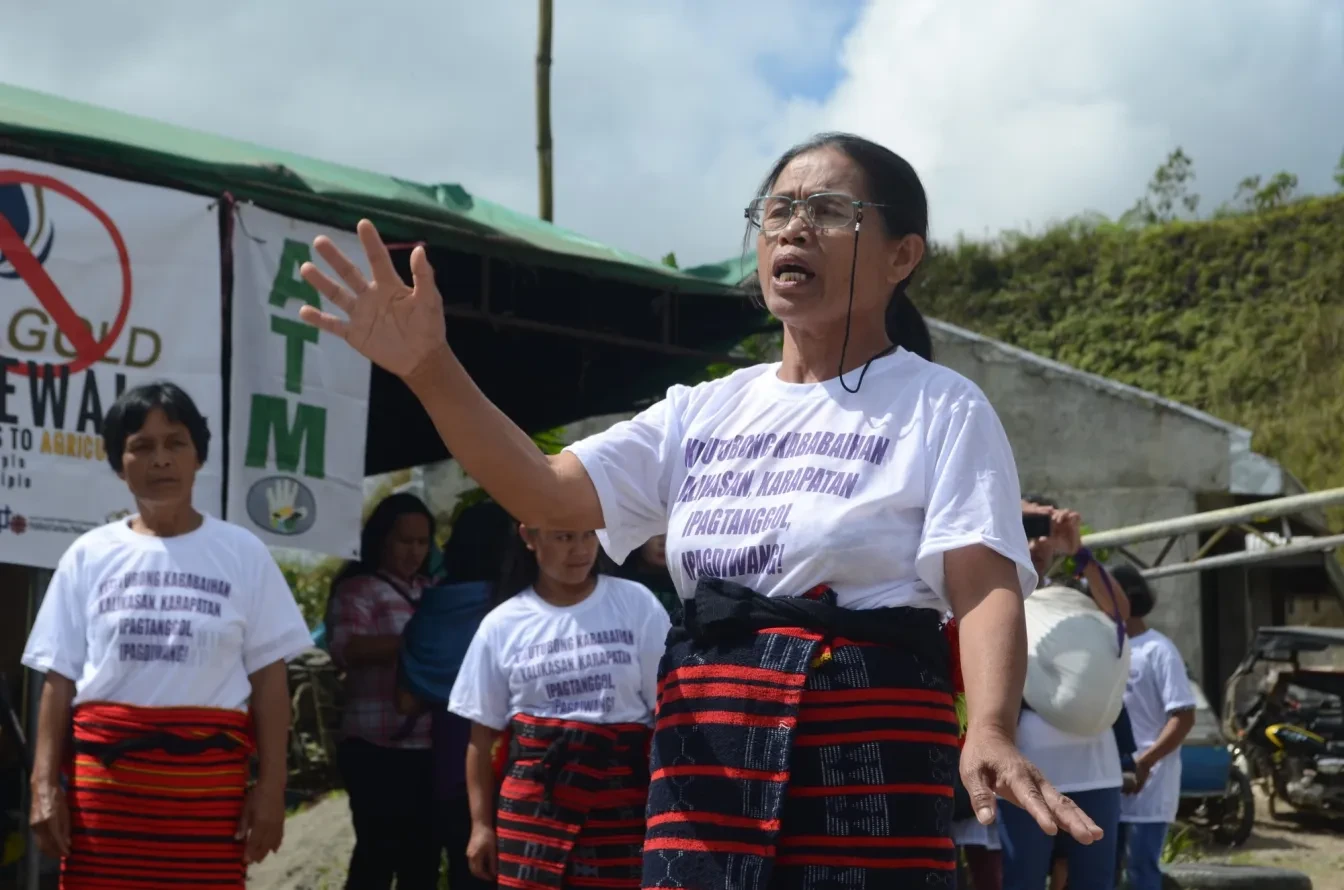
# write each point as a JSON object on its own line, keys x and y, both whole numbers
{"x": 825, "y": 210}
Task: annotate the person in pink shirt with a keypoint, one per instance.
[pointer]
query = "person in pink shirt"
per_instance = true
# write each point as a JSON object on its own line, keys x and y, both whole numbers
{"x": 384, "y": 756}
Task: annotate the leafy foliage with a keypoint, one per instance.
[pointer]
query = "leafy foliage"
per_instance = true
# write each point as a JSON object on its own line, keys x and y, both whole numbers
{"x": 1168, "y": 192}
{"x": 1254, "y": 197}
{"x": 1240, "y": 316}
{"x": 1182, "y": 844}
{"x": 311, "y": 585}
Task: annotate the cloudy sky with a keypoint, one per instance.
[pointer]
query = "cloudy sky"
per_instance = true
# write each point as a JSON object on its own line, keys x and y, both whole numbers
{"x": 1016, "y": 112}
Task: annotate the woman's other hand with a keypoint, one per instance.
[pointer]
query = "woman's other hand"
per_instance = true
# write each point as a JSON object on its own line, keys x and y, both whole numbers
{"x": 483, "y": 853}
{"x": 262, "y": 826}
{"x": 48, "y": 813}
{"x": 50, "y": 819}
{"x": 991, "y": 766}
{"x": 397, "y": 327}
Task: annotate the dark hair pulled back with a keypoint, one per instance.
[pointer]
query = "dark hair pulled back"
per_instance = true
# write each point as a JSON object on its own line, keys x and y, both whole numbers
{"x": 475, "y": 549}
{"x": 894, "y": 184}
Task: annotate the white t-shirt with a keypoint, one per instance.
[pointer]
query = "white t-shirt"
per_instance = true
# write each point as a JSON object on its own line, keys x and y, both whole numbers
{"x": 1072, "y": 763}
{"x": 784, "y": 486}
{"x": 1158, "y": 685}
{"x": 163, "y": 622}
{"x": 594, "y": 662}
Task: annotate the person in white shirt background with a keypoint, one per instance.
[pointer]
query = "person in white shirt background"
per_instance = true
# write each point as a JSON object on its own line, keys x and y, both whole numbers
{"x": 564, "y": 674}
{"x": 163, "y": 637}
{"x": 854, "y": 485}
{"x": 1161, "y": 708}
{"x": 1086, "y": 768}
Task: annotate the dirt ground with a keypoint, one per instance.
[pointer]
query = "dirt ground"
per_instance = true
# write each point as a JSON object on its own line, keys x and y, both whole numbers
{"x": 1313, "y": 846}
{"x": 316, "y": 851}
{"x": 318, "y": 841}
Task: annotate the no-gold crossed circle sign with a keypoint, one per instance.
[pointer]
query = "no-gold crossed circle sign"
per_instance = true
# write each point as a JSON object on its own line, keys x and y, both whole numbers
{"x": 29, "y": 268}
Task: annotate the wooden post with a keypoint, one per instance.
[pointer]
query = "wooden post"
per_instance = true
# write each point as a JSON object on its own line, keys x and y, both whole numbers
{"x": 544, "y": 110}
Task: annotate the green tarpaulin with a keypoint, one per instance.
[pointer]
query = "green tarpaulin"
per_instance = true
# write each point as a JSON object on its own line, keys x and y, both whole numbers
{"x": 43, "y": 126}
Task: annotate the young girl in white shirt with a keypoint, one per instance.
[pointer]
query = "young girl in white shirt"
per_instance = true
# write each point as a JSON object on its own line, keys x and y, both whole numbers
{"x": 562, "y": 676}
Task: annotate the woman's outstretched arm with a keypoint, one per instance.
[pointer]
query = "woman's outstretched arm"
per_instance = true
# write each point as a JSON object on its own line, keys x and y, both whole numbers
{"x": 546, "y": 491}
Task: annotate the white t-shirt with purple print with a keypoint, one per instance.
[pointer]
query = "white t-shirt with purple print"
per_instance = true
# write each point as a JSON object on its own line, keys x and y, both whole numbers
{"x": 782, "y": 486}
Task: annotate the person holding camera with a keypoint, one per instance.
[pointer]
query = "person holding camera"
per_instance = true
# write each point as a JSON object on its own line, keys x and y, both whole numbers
{"x": 1087, "y": 768}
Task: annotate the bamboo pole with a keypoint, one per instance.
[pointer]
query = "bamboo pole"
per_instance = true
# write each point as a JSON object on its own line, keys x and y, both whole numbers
{"x": 544, "y": 161}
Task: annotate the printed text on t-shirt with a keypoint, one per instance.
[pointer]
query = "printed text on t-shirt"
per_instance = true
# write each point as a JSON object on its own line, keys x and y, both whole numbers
{"x": 143, "y": 636}
{"x": 568, "y": 667}
{"x": 766, "y": 477}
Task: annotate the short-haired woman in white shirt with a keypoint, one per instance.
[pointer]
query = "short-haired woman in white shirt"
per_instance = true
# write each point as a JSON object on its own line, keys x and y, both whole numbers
{"x": 821, "y": 512}
{"x": 163, "y": 637}
{"x": 562, "y": 675}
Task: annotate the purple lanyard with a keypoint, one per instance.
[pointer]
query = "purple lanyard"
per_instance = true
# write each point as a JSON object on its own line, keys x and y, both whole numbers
{"x": 1083, "y": 558}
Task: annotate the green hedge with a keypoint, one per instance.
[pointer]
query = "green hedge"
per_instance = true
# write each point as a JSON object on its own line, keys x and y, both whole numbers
{"x": 1241, "y": 316}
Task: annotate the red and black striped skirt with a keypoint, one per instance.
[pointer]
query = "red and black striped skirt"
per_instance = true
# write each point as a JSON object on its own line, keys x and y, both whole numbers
{"x": 571, "y": 805}
{"x": 789, "y": 759}
{"x": 155, "y": 796}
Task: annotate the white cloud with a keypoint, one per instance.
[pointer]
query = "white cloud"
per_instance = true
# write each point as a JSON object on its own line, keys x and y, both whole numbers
{"x": 1021, "y": 113}
{"x": 665, "y": 116}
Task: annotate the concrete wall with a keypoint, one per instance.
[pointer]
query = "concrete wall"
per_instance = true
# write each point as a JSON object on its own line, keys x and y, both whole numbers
{"x": 1129, "y": 442}
{"x": 1116, "y": 458}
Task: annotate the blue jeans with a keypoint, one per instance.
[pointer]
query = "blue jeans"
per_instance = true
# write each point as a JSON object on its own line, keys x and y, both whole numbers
{"x": 1143, "y": 842}
{"x": 1028, "y": 851}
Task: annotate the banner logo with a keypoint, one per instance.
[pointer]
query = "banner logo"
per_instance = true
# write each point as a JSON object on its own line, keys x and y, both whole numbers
{"x": 21, "y": 262}
{"x": 282, "y": 505}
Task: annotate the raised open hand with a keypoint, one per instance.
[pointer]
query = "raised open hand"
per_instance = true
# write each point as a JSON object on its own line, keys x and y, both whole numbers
{"x": 394, "y": 326}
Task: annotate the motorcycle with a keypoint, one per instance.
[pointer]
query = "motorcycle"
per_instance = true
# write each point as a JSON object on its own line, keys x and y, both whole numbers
{"x": 1215, "y": 792}
{"x": 1290, "y": 738}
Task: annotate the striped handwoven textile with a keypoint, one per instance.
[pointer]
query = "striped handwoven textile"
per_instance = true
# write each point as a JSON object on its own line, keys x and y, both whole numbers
{"x": 155, "y": 797}
{"x": 793, "y": 759}
{"x": 571, "y": 806}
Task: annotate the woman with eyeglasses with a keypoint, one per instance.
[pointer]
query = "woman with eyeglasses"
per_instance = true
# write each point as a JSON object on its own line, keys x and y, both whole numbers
{"x": 821, "y": 512}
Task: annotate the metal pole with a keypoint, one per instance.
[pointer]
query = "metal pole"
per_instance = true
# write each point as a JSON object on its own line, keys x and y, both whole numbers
{"x": 1245, "y": 557}
{"x": 1184, "y": 525}
{"x": 32, "y": 857}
